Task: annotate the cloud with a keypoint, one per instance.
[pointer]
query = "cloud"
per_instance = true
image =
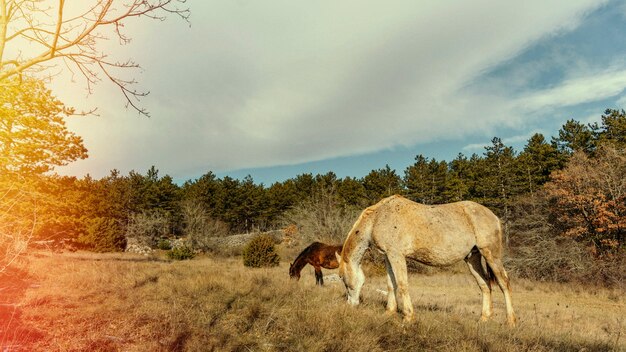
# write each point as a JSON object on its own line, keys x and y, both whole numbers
{"x": 621, "y": 102}
{"x": 262, "y": 84}
{"x": 589, "y": 88}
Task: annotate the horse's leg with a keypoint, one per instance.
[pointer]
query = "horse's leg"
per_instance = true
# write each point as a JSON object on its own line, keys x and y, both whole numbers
{"x": 319, "y": 278}
{"x": 495, "y": 264}
{"x": 476, "y": 268}
{"x": 398, "y": 265}
{"x": 392, "y": 304}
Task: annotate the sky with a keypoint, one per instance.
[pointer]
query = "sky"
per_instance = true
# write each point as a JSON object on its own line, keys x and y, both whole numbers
{"x": 274, "y": 89}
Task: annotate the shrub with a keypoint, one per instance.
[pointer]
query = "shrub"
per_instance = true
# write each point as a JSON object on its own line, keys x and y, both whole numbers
{"x": 181, "y": 253}
{"x": 199, "y": 227}
{"x": 164, "y": 245}
{"x": 322, "y": 218}
{"x": 147, "y": 227}
{"x": 538, "y": 252}
{"x": 260, "y": 252}
{"x": 18, "y": 218}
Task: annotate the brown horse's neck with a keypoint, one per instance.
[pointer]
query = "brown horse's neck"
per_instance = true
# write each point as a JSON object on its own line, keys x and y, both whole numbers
{"x": 300, "y": 262}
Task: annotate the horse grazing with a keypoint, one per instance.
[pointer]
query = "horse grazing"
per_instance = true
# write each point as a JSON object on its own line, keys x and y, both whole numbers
{"x": 319, "y": 255}
{"x": 436, "y": 235}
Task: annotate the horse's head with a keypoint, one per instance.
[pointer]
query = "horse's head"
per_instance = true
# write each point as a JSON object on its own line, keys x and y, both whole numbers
{"x": 293, "y": 273}
{"x": 352, "y": 277}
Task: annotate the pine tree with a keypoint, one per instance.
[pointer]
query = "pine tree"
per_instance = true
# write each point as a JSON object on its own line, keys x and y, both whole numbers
{"x": 437, "y": 181}
{"x": 280, "y": 196}
{"x": 536, "y": 162}
{"x": 33, "y": 135}
{"x": 457, "y": 185}
{"x": 500, "y": 181}
{"x": 382, "y": 183}
{"x": 205, "y": 190}
{"x": 150, "y": 192}
{"x": 253, "y": 205}
{"x": 574, "y": 136}
{"x": 476, "y": 172}
{"x": 612, "y": 129}
{"x": 352, "y": 192}
{"x": 304, "y": 185}
{"x": 108, "y": 209}
{"x": 417, "y": 180}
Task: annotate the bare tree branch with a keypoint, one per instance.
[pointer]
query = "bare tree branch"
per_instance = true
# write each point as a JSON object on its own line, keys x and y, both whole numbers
{"x": 74, "y": 39}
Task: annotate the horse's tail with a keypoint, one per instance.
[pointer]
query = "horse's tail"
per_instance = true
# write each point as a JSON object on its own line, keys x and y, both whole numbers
{"x": 491, "y": 277}
{"x": 487, "y": 273}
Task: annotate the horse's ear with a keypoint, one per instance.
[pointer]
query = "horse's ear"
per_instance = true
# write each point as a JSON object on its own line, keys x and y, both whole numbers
{"x": 338, "y": 257}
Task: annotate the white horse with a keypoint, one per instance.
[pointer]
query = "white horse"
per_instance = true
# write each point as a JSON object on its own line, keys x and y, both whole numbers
{"x": 436, "y": 235}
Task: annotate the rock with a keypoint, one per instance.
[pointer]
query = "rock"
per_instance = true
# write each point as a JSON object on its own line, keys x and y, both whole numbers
{"x": 133, "y": 246}
{"x": 242, "y": 239}
{"x": 331, "y": 278}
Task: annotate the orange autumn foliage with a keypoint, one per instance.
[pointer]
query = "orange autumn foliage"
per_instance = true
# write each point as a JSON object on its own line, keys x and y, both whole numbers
{"x": 588, "y": 199}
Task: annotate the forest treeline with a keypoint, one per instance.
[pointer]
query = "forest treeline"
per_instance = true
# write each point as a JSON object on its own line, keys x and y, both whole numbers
{"x": 83, "y": 209}
{"x": 569, "y": 188}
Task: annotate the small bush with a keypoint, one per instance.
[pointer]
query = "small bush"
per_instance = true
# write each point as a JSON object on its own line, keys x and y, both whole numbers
{"x": 260, "y": 252}
{"x": 164, "y": 245}
{"x": 181, "y": 253}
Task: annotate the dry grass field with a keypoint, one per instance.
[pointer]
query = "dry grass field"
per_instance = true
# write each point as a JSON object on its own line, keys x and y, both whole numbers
{"x": 121, "y": 302}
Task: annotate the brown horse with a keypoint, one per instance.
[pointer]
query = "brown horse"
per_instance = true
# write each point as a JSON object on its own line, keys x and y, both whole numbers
{"x": 319, "y": 255}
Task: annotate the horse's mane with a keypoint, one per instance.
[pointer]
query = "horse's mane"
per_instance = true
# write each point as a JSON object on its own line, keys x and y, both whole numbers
{"x": 356, "y": 233}
{"x": 300, "y": 261}
{"x": 310, "y": 250}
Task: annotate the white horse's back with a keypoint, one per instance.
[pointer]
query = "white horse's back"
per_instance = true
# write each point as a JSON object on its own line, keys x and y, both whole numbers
{"x": 436, "y": 235}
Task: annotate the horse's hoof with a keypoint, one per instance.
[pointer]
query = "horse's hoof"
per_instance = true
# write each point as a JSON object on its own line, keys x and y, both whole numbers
{"x": 511, "y": 322}
{"x": 391, "y": 308}
{"x": 408, "y": 319}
